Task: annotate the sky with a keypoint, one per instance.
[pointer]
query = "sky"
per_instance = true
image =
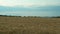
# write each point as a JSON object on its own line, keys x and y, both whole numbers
{"x": 30, "y": 7}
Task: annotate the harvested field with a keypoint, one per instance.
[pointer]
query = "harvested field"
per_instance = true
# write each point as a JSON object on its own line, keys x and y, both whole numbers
{"x": 28, "y": 25}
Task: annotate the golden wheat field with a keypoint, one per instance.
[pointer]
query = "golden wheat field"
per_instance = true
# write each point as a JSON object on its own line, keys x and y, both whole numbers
{"x": 28, "y": 25}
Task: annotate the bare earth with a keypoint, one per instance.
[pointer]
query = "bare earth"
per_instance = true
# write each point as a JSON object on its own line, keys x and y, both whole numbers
{"x": 26, "y": 25}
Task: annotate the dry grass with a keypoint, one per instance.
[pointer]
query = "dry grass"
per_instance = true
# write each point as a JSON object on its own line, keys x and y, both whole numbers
{"x": 23, "y": 25}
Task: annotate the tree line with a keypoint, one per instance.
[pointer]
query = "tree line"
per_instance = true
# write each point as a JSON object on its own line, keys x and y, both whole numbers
{"x": 30, "y": 16}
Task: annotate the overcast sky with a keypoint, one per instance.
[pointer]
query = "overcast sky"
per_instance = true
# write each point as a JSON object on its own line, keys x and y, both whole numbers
{"x": 34, "y": 5}
{"x": 29, "y": 2}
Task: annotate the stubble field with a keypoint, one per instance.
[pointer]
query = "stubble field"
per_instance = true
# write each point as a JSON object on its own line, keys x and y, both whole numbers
{"x": 29, "y": 25}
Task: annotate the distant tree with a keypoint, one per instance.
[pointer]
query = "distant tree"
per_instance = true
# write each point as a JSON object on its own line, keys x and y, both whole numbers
{"x": 3, "y": 15}
{"x": 56, "y": 17}
{"x": 24, "y": 16}
{"x": 20, "y": 16}
{"x": 35, "y": 16}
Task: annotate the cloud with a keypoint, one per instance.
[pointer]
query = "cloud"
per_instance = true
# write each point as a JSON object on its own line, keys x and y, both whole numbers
{"x": 29, "y": 3}
{"x": 34, "y": 13}
{"x": 27, "y": 11}
{"x": 19, "y": 8}
{"x": 30, "y": 7}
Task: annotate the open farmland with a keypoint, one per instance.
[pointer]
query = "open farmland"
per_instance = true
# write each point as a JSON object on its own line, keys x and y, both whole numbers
{"x": 29, "y": 25}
